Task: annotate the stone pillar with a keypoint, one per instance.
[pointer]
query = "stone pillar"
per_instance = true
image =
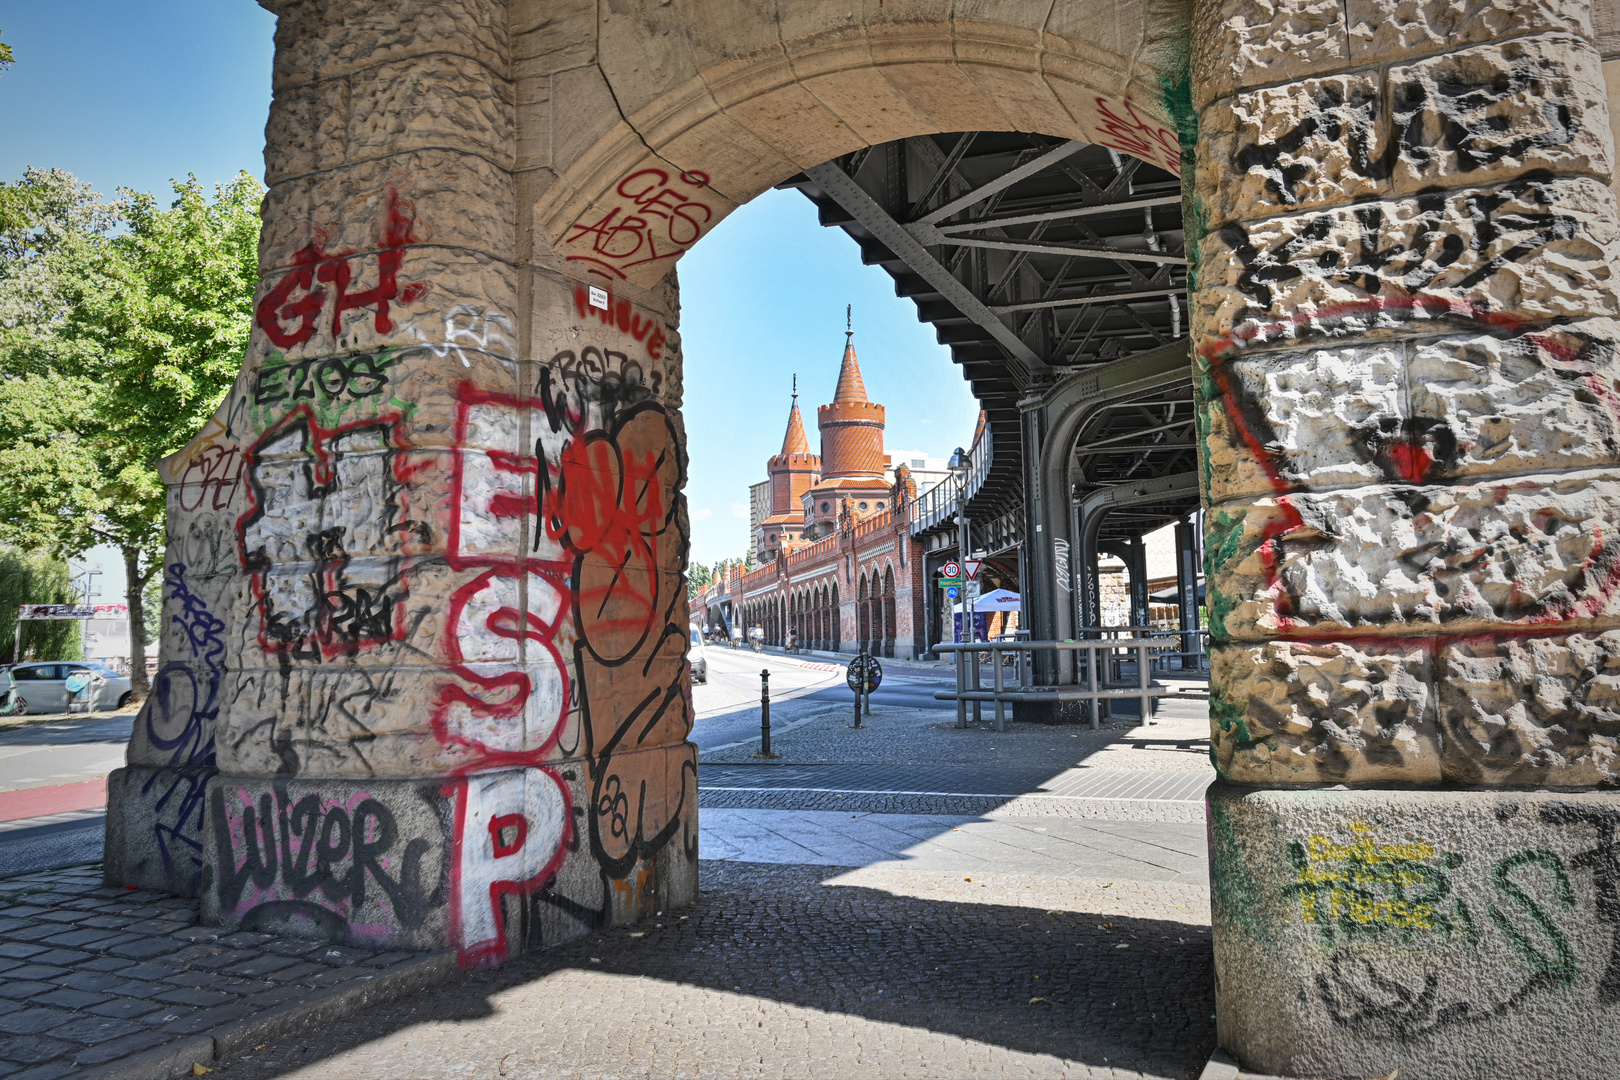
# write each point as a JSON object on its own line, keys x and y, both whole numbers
{"x": 424, "y": 607}
{"x": 1405, "y": 338}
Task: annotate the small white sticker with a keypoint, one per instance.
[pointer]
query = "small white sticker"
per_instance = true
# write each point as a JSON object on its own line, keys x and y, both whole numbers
{"x": 598, "y": 298}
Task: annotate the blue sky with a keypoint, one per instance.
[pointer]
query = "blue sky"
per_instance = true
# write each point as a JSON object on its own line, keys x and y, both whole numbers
{"x": 135, "y": 92}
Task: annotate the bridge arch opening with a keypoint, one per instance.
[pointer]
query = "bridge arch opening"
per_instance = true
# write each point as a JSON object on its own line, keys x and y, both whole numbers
{"x": 427, "y": 558}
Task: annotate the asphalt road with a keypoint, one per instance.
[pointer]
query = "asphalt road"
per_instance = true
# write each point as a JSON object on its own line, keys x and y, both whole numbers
{"x": 728, "y": 704}
{"x": 42, "y": 753}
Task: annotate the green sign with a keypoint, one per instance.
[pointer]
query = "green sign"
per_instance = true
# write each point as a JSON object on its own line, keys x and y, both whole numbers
{"x": 947, "y": 582}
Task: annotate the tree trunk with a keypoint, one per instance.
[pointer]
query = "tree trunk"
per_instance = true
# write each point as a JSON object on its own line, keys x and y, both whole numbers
{"x": 135, "y": 585}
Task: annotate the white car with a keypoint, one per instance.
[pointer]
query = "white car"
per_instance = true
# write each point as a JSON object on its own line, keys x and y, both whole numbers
{"x": 43, "y": 688}
{"x": 700, "y": 662}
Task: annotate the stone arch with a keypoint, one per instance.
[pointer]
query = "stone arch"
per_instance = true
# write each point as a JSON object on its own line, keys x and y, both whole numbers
{"x": 728, "y": 111}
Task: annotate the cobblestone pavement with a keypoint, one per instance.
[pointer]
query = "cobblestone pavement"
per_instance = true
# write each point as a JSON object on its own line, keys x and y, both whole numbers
{"x": 787, "y": 971}
{"x": 90, "y": 975}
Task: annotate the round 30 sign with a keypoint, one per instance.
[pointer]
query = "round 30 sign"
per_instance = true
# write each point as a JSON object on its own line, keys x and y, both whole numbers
{"x": 865, "y": 673}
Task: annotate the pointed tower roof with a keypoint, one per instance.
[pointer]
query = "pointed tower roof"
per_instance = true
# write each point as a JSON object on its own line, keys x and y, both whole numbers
{"x": 794, "y": 441}
{"x": 851, "y": 387}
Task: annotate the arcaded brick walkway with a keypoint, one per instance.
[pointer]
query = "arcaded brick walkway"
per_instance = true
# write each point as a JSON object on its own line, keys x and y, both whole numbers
{"x": 787, "y": 971}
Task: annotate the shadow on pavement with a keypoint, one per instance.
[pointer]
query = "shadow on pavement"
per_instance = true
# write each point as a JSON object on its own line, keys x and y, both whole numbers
{"x": 1114, "y": 992}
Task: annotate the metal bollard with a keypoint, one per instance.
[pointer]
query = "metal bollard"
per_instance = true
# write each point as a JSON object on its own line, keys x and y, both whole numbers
{"x": 765, "y": 712}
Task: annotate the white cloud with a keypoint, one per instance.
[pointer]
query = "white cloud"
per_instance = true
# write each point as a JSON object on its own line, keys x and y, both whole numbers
{"x": 739, "y": 510}
{"x": 702, "y": 513}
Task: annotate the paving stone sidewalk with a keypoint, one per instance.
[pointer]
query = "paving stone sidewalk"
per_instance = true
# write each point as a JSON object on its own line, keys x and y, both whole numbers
{"x": 807, "y": 972}
{"x": 104, "y": 982}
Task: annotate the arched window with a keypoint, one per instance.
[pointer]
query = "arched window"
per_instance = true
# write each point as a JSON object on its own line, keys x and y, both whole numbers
{"x": 890, "y": 617}
{"x": 863, "y": 618}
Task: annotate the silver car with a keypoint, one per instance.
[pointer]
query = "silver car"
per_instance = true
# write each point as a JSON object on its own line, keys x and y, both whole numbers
{"x": 45, "y": 687}
{"x": 695, "y": 655}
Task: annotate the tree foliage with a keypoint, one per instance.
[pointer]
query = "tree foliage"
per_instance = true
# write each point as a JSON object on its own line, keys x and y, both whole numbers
{"x": 34, "y": 578}
{"x": 122, "y": 325}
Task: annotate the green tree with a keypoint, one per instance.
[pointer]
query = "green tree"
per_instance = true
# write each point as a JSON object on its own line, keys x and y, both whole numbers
{"x": 122, "y": 326}
{"x": 5, "y": 56}
{"x": 698, "y": 578}
{"x": 36, "y": 578}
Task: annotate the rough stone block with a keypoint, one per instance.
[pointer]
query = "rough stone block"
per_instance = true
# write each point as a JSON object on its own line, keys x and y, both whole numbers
{"x": 1484, "y": 404}
{"x": 1452, "y": 935}
{"x": 1395, "y": 29}
{"x": 439, "y": 101}
{"x": 1493, "y": 113}
{"x": 550, "y": 35}
{"x": 1537, "y": 551}
{"x": 317, "y": 41}
{"x": 492, "y": 863}
{"x": 415, "y": 197}
{"x": 1243, "y": 43}
{"x": 1309, "y": 144}
{"x": 1314, "y": 418}
{"x": 1532, "y": 709}
{"x": 307, "y": 129}
{"x": 1529, "y": 251}
{"x": 430, "y": 286}
{"x": 1288, "y": 712}
{"x": 155, "y": 828}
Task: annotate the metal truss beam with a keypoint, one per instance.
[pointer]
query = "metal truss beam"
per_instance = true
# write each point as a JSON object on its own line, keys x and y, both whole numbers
{"x": 1004, "y": 181}
{"x": 842, "y": 189}
{"x": 1059, "y": 215}
{"x": 1095, "y": 298}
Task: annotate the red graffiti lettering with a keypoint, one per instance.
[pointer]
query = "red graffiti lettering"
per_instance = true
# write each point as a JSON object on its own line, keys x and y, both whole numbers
{"x": 622, "y": 315}
{"x": 290, "y": 312}
{"x": 1133, "y": 135}
{"x": 211, "y": 476}
{"x": 660, "y": 222}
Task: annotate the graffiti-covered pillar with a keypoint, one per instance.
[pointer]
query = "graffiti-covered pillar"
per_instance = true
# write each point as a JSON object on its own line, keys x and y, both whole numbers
{"x": 423, "y": 675}
{"x": 1405, "y": 335}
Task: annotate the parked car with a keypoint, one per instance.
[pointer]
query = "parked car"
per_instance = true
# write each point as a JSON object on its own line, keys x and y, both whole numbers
{"x": 700, "y": 662}
{"x": 43, "y": 688}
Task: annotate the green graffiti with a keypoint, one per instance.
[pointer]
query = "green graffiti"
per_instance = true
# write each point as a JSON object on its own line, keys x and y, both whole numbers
{"x": 1233, "y": 890}
{"x": 1175, "y": 94}
{"x": 335, "y": 389}
{"x": 1223, "y": 539}
{"x": 1561, "y": 969}
{"x": 1228, "y": 717}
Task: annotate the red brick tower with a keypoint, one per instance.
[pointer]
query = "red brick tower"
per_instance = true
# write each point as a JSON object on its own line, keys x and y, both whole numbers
{"x": 852, "y": 426}
{"x": 793, "y": 472}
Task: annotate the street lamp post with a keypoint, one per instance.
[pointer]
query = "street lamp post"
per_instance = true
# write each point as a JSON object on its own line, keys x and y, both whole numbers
{"x": 959, "y": 465}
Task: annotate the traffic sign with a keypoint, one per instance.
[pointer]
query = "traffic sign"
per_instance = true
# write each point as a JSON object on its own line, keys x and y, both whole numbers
{"x": 973, "y": 568}
{"x": 952, "y": 570}
{"x": 864, "y": 673}
{"x": 972, "y": 590}
{"x": 947, "y": 582}
{"x": 952, "y": 592}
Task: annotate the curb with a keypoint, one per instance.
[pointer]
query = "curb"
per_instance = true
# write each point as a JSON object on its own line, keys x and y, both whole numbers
{"x": 175, "y": 1059}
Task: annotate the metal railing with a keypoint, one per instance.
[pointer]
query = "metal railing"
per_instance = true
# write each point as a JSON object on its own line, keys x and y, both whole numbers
{"x": 1167, "y": 645}
{"x": 1097, "y": 689}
